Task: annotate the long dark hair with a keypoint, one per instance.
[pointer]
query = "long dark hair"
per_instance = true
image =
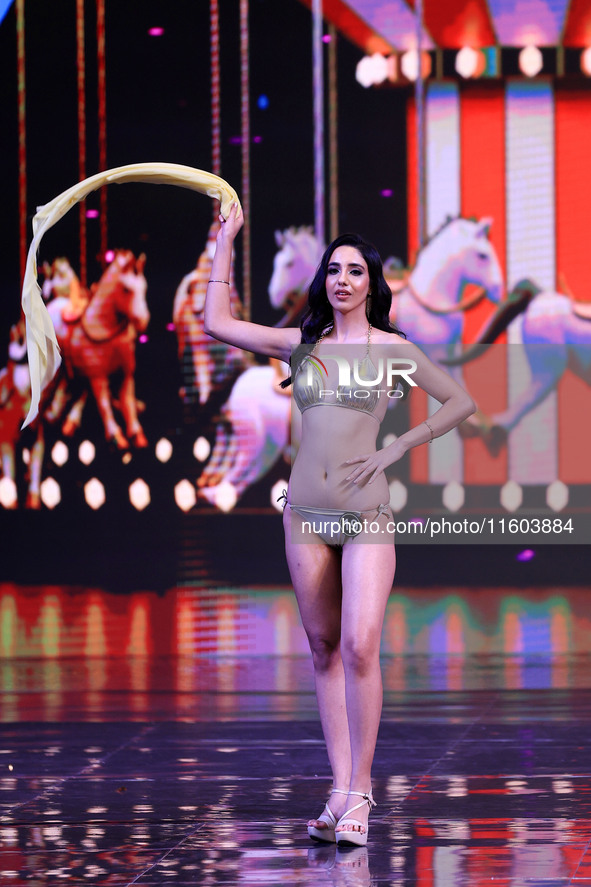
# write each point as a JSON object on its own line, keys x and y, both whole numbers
{"x": 318, "y": 316}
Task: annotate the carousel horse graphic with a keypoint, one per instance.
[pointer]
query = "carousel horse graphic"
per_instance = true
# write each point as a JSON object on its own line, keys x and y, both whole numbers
{"x": 101, "y": 343}
{"x": 15, "y": 398}
{"x": 430, "y": 306}
{"x": 555, "y": 336}
{"x": 294, "y": 267}
{"x": 214, "y": 364}
{"x": 61, "y": 281}
{"x": 252, "y": 435}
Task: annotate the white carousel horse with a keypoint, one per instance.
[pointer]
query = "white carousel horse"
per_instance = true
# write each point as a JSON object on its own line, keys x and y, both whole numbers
{"x": 556, "y": 335}
{"x": 252, "y": 436}
{"x": 294, "y": 267}
{"x": 430, "y": 307}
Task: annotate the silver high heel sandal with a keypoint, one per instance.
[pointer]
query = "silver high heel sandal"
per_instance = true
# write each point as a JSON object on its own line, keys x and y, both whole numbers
{"x": 327, "y": 816}
{"x": 349, "y": 838}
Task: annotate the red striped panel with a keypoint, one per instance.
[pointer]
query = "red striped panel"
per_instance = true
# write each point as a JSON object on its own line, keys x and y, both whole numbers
{"x": 419, "y": 456}
{"x": 573, "y": 190}
{"x": 482, "y": 134}
{"x": 350, "y": 25}
{"x": 412, "y": 181}
{"x": 458, "y": 23}
{"x": 573, "y": 199}
{"x": 577, "y": 31}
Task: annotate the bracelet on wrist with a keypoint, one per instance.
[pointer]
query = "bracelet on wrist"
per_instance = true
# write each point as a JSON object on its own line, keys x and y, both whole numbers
{"x": 430, "y": 429}
{"x": 227, "y": 282}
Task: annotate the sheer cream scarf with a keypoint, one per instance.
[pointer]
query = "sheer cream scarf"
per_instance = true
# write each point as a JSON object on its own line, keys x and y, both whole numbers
{"x": 42, "y": 346}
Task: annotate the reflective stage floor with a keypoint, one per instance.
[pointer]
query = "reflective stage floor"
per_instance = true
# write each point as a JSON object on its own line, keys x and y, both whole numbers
{"x": 204, "y": 772}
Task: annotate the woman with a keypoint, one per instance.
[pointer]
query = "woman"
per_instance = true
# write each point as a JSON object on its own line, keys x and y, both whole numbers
{"x": 337, "y": 500}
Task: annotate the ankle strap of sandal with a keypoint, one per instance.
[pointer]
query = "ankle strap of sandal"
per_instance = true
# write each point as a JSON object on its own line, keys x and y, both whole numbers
{"x": 367, "y": 796}
{"x": 339, "y": 791}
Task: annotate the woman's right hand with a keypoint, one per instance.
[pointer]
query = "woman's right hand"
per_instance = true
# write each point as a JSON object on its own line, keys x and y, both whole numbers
{"x": 230, "y": 227}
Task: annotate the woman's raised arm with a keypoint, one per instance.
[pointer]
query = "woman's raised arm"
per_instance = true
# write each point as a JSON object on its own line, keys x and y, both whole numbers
{"x": 218, "y": 319}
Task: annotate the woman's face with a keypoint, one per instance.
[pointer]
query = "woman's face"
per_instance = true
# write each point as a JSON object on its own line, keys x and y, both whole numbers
{"x": 347, "y": 279}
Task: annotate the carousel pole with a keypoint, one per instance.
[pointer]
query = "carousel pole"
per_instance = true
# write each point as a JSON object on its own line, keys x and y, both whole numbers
{"x": 81, "y": 81}
{"x": 22, "y": 135}
{"x": 333, "y": 134}
{"x": 318, "y": 89}
{"x": 102, "y": 120}
{"x": 420, "y": 118}
{"x": 245, "y": 139}
{"x": 216, "y": 135}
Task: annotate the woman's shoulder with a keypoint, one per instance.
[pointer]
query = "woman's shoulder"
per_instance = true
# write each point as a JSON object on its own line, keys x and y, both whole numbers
{"x": 382, "y": 337}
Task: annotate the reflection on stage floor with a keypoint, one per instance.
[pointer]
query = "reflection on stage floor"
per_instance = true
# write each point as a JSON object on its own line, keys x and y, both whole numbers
{"x": 202, "y": 771}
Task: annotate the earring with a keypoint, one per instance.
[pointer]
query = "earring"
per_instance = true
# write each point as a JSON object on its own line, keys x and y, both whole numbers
{"x": 368, "y": 305}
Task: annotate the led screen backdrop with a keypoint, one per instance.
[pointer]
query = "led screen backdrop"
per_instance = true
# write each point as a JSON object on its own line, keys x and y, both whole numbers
{"x": 191, "y": 492}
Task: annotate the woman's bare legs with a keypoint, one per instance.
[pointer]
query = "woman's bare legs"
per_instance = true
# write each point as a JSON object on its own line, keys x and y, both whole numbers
{"x": 367, "y": 576}
{"x": 315, "y": 571}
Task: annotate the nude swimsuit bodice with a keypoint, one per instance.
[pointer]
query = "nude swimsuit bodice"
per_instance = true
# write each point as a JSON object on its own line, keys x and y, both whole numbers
{"x": 309, "y": 385}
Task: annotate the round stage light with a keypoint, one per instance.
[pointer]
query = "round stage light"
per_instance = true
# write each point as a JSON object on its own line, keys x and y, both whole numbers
{"x": 201, "y": 449}
{"x": 276, "y": 491}
{"x": 557, "y": 495}
{"x": 531, "y": 61}
{"x": 398, "y": 495}
{"x": 139, "y": 494}
{"x": 60, "y": 453}
{"x": 185, "y": 495}
{"x": 371, "y": 70}
{"x": 466, "y": 63}
{"x": 94, "y": 493}
{"x": 8, "y": 493}
{"x": 163, "y": 450}
{"x": 409, "y": 64}
{"x": 586, "y": 61}
{"x": 511, "y": 496}
{"x": 226, "y": 496}
{"x": 86, "y": 452}
{"x": 50, "y": 493}
{"x": 453, "y": 495}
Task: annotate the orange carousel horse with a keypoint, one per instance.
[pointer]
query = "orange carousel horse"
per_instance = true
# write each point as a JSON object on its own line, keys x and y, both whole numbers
{"x": 15, "y": 399}
{"x": 100, "y": 343}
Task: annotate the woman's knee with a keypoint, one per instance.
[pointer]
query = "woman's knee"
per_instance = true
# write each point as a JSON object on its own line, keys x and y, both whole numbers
{"x": 325, "y": 650}
{"x": 360, "y": 654}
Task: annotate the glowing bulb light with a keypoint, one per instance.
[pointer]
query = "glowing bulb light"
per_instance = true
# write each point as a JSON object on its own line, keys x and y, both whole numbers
{"x": 60, "y": 453}
{"x": 94, "y": 493}
{"x": 163, "y": 450}
{"x": 409, "y": 64}
{"x": 466, "y": 63}
{"x": 50, "y": 492}
{"x": 8, "y": 493}
{"x": 276, "y": 492}
{"x": 372, "y": 70}
{"x": 201, "y": 449}
{"x": 184, "y": 495}
{"x": 586, "y": 61}
{"x": 86, "y": 452}
{"x": 531, "y": 61}
{"x": 139, "y": 494}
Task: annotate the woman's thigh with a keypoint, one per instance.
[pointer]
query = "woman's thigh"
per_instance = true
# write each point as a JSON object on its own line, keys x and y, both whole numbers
{"x": 315, "y": 570}
{"x": 367, "y": 571}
